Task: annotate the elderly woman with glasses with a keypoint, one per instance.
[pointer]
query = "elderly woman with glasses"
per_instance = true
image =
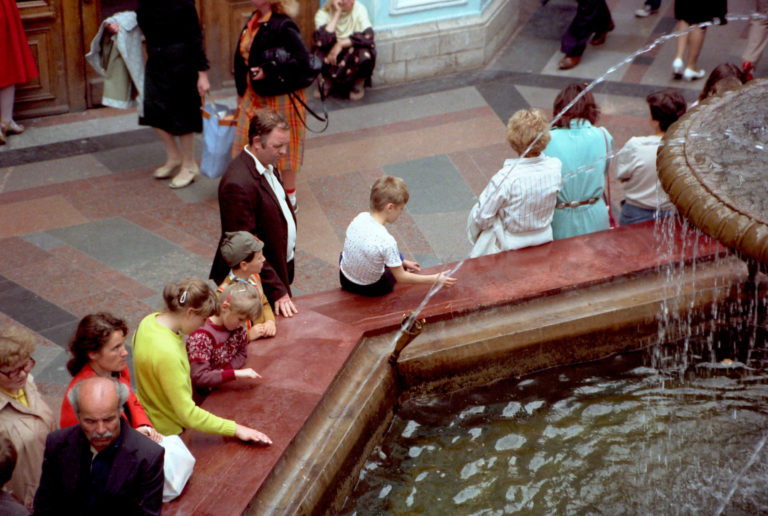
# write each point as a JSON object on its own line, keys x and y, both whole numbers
{"x": 25, "y": 418}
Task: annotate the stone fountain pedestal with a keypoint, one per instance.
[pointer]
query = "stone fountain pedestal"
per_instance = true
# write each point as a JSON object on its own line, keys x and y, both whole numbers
{"x": 713, "y": 163}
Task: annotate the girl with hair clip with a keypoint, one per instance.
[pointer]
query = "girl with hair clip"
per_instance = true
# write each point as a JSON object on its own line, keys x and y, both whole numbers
{"x": 218, "y": 350}
{"x": 162, "y": 367}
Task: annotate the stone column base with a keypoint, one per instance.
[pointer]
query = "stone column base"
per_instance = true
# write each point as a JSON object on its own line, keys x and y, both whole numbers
{"x": 443, "y": 47}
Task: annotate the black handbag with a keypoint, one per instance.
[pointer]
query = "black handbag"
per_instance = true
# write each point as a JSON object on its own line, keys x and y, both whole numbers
{"x": 292, "y": 78}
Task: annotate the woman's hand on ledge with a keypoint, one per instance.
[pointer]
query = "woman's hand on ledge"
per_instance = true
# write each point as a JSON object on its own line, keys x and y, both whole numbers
{"x": 246, "y": 434}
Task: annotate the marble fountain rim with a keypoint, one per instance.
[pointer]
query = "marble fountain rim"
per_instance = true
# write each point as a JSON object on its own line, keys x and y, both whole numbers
{"x": 317, "y": 483}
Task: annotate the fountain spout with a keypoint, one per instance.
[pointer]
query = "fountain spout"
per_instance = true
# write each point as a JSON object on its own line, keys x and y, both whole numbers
{"x": 408, "y": 333}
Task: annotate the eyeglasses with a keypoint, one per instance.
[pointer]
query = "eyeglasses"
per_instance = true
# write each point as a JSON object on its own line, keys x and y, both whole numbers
{"x": 25, "y": 368}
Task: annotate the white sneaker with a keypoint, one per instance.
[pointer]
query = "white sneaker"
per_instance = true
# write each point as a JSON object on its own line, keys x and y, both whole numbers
{"x": 677, "y": 68}
{"x": 645, "y": 11}
{"x": 692, "y": 75}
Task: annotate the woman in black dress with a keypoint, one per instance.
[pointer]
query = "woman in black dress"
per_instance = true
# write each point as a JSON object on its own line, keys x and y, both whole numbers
{"x": 175, "y": 81}
{"x": 688, "y": 13}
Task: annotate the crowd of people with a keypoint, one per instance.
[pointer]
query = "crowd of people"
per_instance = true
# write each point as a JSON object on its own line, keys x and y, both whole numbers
{"x": 556, "y": 188}
{"x": 593, "y": 22}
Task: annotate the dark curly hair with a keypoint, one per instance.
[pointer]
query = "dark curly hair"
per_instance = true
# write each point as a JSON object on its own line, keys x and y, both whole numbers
{"x": 92, "y": 334}
{"x": 666, "y": 107}
{"x": 585, "y": 108}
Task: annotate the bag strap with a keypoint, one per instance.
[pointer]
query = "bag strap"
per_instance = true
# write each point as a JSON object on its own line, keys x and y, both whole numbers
{"x": 607, "y": 191}
{"x": 292, "y": 95}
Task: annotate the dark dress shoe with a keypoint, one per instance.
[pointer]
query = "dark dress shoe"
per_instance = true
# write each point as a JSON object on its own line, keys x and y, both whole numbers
{"x": 599, "y": 38}
{"x": 569, "y": 62}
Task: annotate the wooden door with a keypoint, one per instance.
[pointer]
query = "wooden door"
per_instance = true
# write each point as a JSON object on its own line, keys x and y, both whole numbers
{"x": 222, "y": 21}
{"x": 53, "y": 42}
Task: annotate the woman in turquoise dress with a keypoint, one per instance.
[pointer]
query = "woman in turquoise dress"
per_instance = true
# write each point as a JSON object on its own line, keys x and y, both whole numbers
{"x": 582, "y": 148}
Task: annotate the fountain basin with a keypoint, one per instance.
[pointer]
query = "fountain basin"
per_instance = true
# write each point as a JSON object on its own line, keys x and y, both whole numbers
{"x": 328, "y": 391}
{"x": 713, "y": 163}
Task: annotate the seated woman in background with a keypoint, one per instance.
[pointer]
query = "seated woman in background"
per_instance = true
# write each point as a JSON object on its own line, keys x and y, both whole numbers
{"x": 583, "y": 149}
{"x": 162, "y": 367}
{"x": 644, "y": 199}
{"x": 25, "y": 418}
{"x": 515, "y": 209}
{"x": 98, "y": 349}
{"x": 344, "y": 40}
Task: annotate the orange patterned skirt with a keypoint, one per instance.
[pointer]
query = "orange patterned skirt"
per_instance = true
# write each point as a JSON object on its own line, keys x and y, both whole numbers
{"x": 283, "y": 105}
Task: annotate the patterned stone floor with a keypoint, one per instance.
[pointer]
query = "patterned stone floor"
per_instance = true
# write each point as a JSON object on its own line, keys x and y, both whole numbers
{"x": 84, "y": 227}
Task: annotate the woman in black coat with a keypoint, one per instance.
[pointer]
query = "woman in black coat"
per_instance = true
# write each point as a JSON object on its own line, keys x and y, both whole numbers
{"x": 175, "y": 82}
{"x": 269, "y": 56}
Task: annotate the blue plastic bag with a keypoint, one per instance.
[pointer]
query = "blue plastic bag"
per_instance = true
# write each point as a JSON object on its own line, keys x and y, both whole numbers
{"x": 219, "y": 124}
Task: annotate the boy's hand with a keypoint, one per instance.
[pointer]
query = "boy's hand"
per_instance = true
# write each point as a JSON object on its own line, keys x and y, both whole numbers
{"x": 256, "y": 332}
{"x": 411, "y": 266}
{"x": 266, "y": 329}
{"x": 246, "y": 373}
{"x": 270, "y": 328}
{"x": 285, "y": 307}
{"x": 446, "y": 280}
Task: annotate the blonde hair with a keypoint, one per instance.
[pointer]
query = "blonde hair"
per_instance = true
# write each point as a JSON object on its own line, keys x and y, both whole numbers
{"x": 288, "y": 7}
{"x": 16, "y": 345}
{"x": 388, "y": 189}
{"x": 522, "y": 129}
{"x": 243, "y": 298}
{"x": 191, "y": 293}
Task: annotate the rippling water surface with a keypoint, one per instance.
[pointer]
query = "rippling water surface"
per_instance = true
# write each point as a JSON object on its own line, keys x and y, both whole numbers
{"x": 611, "y": 437}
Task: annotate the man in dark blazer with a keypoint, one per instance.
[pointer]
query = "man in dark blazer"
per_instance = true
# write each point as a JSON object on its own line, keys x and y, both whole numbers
{"x": 102, "y": 465}
{"x": 252, "y": 198}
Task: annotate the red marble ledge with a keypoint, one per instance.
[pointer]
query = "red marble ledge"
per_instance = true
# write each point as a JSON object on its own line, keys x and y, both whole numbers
{"x": 516, "y": 276}
{"x": 301, "y": 362}
{"x": 296, "y": 366}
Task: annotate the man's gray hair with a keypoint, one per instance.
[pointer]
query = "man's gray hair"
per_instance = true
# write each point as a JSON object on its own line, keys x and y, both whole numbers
{"x": 74, "y": 395}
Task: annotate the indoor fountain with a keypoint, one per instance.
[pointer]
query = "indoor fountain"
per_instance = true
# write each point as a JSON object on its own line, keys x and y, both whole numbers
{"x": 573, "y": 301}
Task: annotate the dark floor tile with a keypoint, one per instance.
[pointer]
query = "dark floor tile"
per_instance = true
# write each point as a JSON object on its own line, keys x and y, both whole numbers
{"x": 120, "y": 159}
{"x": 503, "y": 97}
{"x": 31, "y": 310}
{"x": 75, "y": 147}
{"x": 666, "y": 25}
{"x": 62, "y": 333}
{"x": 434, "y": 185}
{"x": 643, "y": 60}
{"x": 550, "y": 21}
{"x": 115, "y": 241}
{"x": 56, "y": 372}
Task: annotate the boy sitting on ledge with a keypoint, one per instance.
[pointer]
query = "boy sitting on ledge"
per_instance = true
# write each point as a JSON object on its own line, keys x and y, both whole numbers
{"x": 370, "y": 263}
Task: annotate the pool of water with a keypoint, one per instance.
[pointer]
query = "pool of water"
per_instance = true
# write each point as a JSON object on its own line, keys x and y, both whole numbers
{"x": 610, "y": 437}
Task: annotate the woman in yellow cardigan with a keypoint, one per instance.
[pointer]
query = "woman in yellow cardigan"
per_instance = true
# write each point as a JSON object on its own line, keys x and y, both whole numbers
{"x": 162, "y": 367}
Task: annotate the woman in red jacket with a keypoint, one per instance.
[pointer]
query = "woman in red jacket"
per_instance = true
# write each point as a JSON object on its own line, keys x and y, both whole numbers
{"x": 98, "y": 349}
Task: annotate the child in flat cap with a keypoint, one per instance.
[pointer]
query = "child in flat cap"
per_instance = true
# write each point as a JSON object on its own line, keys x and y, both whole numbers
{"x": 243, "y": 253}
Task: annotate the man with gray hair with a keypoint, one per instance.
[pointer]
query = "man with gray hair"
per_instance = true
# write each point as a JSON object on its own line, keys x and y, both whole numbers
{"x": 102, "y": 465}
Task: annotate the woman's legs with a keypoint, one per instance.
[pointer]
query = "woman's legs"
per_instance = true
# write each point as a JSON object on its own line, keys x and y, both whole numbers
{"x": 7, "y": 95}
{"x": 682, "y": 40}
{"x": 189, "y": 167}
{"x": 696, "y": 40}
{"x": 187, "y": 142}
{"x": 173, "y": 154}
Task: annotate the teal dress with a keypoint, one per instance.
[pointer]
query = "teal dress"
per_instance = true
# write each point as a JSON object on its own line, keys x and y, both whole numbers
{"x": 582, "y": 150}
